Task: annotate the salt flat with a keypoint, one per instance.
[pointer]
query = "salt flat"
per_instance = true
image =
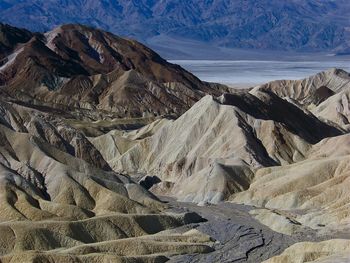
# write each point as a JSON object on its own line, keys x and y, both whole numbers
{"x": 247, "y": 73}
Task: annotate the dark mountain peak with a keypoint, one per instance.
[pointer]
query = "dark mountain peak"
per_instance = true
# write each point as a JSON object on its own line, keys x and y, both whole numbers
{"x": 77, "y": 66}
{"x": 10, "y": 37}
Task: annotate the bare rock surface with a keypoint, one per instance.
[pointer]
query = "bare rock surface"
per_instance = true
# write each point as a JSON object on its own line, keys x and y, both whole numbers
{"x": 324, "y": 94}
{"x": 334, "y": 250}
{"x": 224, "y": 142}
{"x": 269, "y": 148}
{"x": 239, "y": 237}
{"x": 93, "y": 127}
{"x": 78, "y": 67}
{"x": 61, "y": 202}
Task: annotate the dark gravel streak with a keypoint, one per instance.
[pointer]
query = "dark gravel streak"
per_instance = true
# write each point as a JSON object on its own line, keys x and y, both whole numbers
{"x": 239, "y": 237}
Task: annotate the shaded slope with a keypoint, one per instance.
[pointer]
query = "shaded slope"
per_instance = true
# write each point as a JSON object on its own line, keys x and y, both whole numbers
{"x": 334, "y": 250}
{"x": 315, "y": 186}
{"x": 311, "y": 25}
{"x": 324, "y": 94}
{"x": 10, "y": 37}
{"x": 60, "y": 201}
{"x": 212, "y": 150}
{"x": 77, "y": 67}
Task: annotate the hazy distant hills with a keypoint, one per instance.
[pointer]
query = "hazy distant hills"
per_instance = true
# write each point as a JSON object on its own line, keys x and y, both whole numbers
{"x": 295, "y": 25}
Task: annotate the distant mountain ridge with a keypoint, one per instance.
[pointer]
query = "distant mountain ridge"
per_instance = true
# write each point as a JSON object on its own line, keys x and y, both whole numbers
{"x": 312, "y": 25}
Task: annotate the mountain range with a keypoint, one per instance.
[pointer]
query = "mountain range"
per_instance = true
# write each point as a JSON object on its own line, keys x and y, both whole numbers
{"x": 56, "y": 190}
{"x": 88, "y": 68}
{"x": 169, "y": 26}
{"x": 109, "y": 153}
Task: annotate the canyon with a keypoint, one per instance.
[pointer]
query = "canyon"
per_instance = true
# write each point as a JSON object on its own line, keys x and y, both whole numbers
{"x": 109, "y": 153}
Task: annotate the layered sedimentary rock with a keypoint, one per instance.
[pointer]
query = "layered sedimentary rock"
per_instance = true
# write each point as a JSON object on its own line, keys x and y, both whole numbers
{"x": 281, "y": 148}
{"x": 213, "y": 150}
{"x": 90, "y": 122}
{"x": 267, "y": 147}
{"x": 60, "y": 201}
{"x": 325, "y": 94}
{"x": 316, "y": 186}
{"x": 334, "y": 250}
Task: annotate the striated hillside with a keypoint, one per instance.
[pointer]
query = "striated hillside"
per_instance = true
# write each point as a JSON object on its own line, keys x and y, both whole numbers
{"x": 58, "y": 193}
{"x": 108, "y": 153}
{"x": 60, "y": 200}
{"x": 326, "y": 94}
{"x": 224, "y": 142}
{"x": 281, "y": 148}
